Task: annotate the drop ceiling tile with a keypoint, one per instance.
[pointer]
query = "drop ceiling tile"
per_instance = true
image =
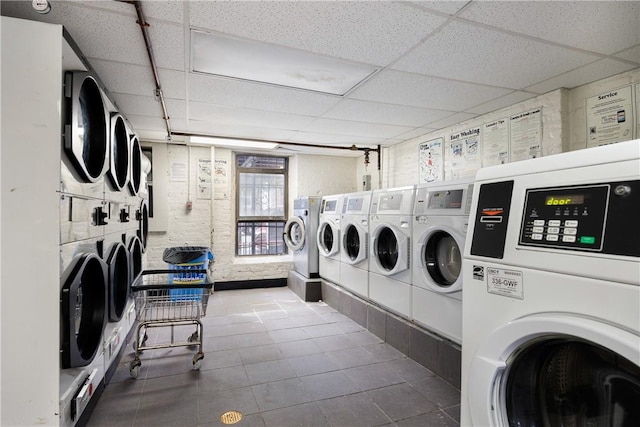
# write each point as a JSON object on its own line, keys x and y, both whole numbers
{"x": 147, "y": 123}
{"x": 223, "y": 91}
{"x": 452, "y": 120}
{"x": 149, "y": 106}
{"x": 470, "y": 53}
{"x": 415, "y": 133}
{"x": 370, "y": 32}
{"x": 600, "y": 26}
{"x": 391, "y": 114}
{"x": 583, "y": 75}
{"x": 632, "y": 54}
{"x": 138, "y": 79}
{"x": 449, "y": 7}
{"x": 165, "y": 10}
{"x": 502, "y": 102}
{"x": 167, "y": 42}
{"x": 221, "y": 115}
{"x": 396, "y": 87}
{"x": 345, "y": 127}
{"x": 334, "y": 139}
{"x": 239, "y": 131}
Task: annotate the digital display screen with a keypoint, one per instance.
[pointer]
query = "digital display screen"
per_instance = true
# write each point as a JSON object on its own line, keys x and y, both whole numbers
{"x": 564, "y": 200}
{"x": 330, "y": 206}
{"x": 451, "y": 199}
{"x": 355, "y": 204}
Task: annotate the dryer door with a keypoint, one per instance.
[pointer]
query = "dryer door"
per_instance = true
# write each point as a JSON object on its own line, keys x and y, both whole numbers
{"x": 119, "y": 280}
{"x": 135, "y": 254}
{"x": 355, "y": 243}
{"x": 83, "y": 304}
{"x": 328, "y": 238}
{"x": 584, "y": 372}
{"x": 135, "y": 181}
{"x": 390, "y": 250}
{"x": 86, "y": 131}
{"x": 142, "y": 215}
{"x": 441, "y": 259}
{"x": 119, "y": 153}
{"x": 294, "y": 233}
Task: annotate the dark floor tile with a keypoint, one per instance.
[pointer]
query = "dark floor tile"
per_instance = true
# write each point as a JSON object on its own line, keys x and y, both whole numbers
{"x": 409, "y": 369}
{"x": 215, "y": 320}
{"x": 299, "y": 348}
{"x": 167, "y": 388}
{"x": 280, "y": 394}
{"x": 328, "y": 385}
{"x": 285, "y": 335}
{"x": 401, "y": 401}
{"x": 349, "y": 326}
{"x": 307, "y": 415}
{"x": 123, "y": 416}
{"x": 364, "y": 338}
{"x": 423, "y": 348}
{"x": 266, "y": 307}
{"x": 334, "y": 317}
{"x": 334, "y": 342}
{"x": 251, "y": 420}
{"x": 314, "y": 319}
{"x": 210, "y": 344}
{"x": 432, "y": 419}
{"x": 215, "y": 380}
{"x": 438, "y": 391}
{"x": 168, "y": 362}
{"x": 383, "y": 352}
{"x": 312, "y": 364}
{"x": 355, "y": 410}
{"x": 373, "y": 376}
{"x": 212, "y": 406}
{"x": 246, "y": 328}
{"x": 300, "y": 313}
{"x": 272, "y": 315}
{"x": 322, "y": 330}
{"x": 397, "y": 333}
{"x": 253, "y": 340}
{"x": 453, "y": 412}
{"x": 276, "y": 324}
{"x": 351, "y": 357}
{"x": 181, "y": 410}
{"x": 265, "y": 372}
{"x": 221, "y": 359}
{"x": 263, "y": 353}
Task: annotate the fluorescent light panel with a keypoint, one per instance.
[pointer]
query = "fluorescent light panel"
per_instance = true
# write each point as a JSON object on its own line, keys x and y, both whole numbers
{"x": 236, "y": 143}
{"x": 266, "y": 63}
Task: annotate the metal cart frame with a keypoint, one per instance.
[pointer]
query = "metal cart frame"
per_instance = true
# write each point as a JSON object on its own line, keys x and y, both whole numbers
{"x": 169, "y": 298}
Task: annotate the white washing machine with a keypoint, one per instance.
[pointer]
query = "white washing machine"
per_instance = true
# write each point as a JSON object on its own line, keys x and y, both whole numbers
{"x": 441, "y": 218}
{"x": 328, "y": 238}
{"x": 300, "y": 232}
{"x": 390, "y": 225}
{"x": 551, "y": 310}
{"x": 354, "y": 244}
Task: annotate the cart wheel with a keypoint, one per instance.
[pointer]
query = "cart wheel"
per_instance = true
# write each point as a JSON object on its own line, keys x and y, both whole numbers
{"x": 134, "y": 368}
{"x": 194, "y": 337}
{"x": 197, "y": 360}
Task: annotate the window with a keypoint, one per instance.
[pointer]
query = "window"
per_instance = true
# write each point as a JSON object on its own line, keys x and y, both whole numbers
{"x": 261, "y": 183}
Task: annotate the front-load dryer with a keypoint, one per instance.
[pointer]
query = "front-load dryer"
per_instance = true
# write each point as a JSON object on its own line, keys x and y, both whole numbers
{"x": 354, "y": 250}
{"x": 300, "y": 233}
{"x": 119, "y": 158}
{"x": 551, "y": 269}
{"x": 136, "y": 178}
{"x": 390, "y": 221}
{"x": 328, "y": 238}
{"x": 85, "y": 157}
{"x": 441, "y": 218}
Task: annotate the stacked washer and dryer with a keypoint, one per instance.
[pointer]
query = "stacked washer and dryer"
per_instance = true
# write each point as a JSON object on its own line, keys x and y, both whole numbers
{"x": 551, "y": 313}
{"x": 102, "y": 237}
{"x": 441, "y": 218}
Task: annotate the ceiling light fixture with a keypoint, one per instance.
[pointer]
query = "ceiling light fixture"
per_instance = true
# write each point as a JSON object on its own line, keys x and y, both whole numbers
{"x": 279, "y": 65}
{"x": 233, "y": 143}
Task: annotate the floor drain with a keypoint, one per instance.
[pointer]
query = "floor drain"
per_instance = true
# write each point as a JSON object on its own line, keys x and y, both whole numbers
{"x": 231, "y": 417}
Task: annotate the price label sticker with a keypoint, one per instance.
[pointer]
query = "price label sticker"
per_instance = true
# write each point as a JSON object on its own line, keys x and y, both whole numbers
{"x": 508, "y": 283}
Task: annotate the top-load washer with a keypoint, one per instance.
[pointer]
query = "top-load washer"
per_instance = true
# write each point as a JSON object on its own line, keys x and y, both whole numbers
{"x": 354, "y": 250}
{"x": 328, "y": 238}
{"x": 300, "y": 232}
{"x": 551, "y": 318}
{"x": 441, "y": 218}
{"x": 390, "y": 221}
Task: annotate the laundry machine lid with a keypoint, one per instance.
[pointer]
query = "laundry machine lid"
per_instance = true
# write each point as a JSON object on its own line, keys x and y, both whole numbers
{"x": 294, "y": 233}
{"x": 390, "y": 250}
{"x": 441, "y": 259}
{"x": 582, "y": 361}
{"x": 355, "y": 243}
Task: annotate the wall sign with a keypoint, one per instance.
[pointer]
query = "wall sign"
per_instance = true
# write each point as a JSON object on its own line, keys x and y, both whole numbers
{"x": 430, "y": 168}
{"x": 610, "y": 117}
{"x": 495, "y": 142}
{"x": 463, "y": 157}
{"x": 525, "y": 135}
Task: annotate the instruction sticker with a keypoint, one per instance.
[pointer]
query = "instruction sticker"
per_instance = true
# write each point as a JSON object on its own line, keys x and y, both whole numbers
{"x": 503, "y": 282}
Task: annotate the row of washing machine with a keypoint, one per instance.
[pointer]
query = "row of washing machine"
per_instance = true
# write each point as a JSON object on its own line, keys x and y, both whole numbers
{"x": 103, "y": 234}
{"x": 400, "y": 248}
{"x": 549, "y": 252}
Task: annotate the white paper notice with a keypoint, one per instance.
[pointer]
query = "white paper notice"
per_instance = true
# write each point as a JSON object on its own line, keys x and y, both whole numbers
{"x": 178, "y": 171}
{"x": 463, "y": 157}
{"x": 495, "y": 143}
{"x": 526, "y": 135}
{"x": 430, "y": 167}
{"x": 221, "y": 179}
{"x": 610, "y": 117}
{"x": 204, "y": 179}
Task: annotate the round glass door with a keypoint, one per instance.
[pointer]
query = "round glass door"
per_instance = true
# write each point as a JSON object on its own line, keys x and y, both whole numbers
{"x": 566, "y": 382}
{"x": 119, "y": 160}
{"x": 326, "y": 239}
{"x": 119, "y": 280}
{"x": 294, "y": 234}
{"x": 352, "y": 242}
{"x": 387, "y": 249}
{"x": 442, "y": 258}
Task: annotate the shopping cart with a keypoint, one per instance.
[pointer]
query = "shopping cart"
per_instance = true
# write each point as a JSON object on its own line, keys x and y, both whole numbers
{"x": 169, "y": 298}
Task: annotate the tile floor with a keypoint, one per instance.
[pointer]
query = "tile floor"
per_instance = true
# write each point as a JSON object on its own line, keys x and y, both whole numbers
{"x": 280, "y": 362}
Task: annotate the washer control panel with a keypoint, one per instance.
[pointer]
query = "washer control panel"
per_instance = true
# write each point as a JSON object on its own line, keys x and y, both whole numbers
{"x": 585, "y": 218}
